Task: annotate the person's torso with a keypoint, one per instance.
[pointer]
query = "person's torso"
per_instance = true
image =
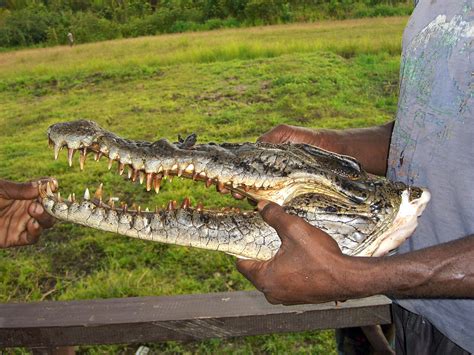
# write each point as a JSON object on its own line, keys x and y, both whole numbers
{"x": 433, "y": 141}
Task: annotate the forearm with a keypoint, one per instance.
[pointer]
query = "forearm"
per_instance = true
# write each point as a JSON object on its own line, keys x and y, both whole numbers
{"x": 369, "y": 145}
{"x": 442, "y": 271}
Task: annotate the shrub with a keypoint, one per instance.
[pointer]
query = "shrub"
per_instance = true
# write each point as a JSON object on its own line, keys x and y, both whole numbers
{"x": 264, "y": 11}
{"x": 87, "y": 27}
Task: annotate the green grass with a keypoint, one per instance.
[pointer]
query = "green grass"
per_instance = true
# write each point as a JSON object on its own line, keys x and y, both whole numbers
{"x": 230, "y": 85}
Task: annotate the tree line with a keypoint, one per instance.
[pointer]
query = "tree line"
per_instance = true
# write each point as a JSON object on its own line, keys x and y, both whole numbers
{"x": 47, "y": 22}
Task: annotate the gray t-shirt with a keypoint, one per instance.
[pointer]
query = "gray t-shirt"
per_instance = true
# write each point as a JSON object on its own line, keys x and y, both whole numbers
{"x": 433, "y": 142}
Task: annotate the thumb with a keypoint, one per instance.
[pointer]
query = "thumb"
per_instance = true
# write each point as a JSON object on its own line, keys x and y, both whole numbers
{"x": 250, "y": 269}
{"x": 276, "y": 217}
{"x": 23, "y": 190}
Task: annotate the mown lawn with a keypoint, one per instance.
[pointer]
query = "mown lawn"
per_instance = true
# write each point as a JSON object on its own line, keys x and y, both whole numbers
{"x": 229, "y": 85}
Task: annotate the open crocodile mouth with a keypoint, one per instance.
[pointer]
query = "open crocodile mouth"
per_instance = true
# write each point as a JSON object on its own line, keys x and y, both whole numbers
{"x": 330, "y": 191}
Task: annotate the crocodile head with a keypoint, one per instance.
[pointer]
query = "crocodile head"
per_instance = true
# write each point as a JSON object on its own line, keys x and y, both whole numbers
{"x": 365, "y": 214}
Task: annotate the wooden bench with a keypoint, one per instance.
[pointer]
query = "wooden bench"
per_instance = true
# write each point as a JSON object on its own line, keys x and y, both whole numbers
{"x": 186, "y": 317}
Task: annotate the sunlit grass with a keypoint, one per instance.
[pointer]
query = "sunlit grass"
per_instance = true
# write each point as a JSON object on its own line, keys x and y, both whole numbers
{"x": 229, "y": 85}
{"x": 346, "y": 38}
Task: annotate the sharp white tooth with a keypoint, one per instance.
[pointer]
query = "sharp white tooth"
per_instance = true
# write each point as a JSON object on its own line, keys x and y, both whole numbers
{"x": 73, "y": 197}
{"x": 87, "y": 195}
{"x": 49, "y": 190}
{"x": 142, "y": 177}
{"x": 82, "y": 159}
{"x": 59, "y": 197}
{"x": 121, "y": 168}
{"x": 189, "y": 169}
{"x": 129, "y": 172}
{"x": 147, "y": 210}
{"x": 149, "y": 181}
{"x": 156, "y": 184}
{"x": 98, "y": 193}
{"x": 70, "y": 154}
{"x": 160, "y": 169}
{"x": 57, "y": 149}
{"x": 174, "y": 167}
{"x": 69, "y": 198}
{"x": 110, "y": 163}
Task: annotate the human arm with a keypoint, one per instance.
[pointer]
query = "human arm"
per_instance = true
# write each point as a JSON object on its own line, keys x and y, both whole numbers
{"x": 310, "y": 268}
{"x": 22, "y": 217}
{"x": 369, "y": 145}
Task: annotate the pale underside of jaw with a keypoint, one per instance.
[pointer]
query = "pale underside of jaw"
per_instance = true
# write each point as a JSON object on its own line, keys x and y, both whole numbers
{"x": 402, "y": 226}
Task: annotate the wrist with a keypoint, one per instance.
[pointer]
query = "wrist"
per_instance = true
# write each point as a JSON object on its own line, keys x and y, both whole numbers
{"x": 366, "y": 276}
{"x": 388, "y": 275}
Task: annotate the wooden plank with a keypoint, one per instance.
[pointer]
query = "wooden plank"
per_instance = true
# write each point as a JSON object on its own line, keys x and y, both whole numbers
{"x": 184, "y": 317}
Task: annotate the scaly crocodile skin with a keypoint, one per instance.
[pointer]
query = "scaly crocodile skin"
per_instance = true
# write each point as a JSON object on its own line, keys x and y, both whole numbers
{"x": 365, "y": 214}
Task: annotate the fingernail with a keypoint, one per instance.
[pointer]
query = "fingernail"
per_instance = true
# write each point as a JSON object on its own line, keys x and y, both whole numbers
{"x": 262, "y": 204}
{"x": 38, "y": 209}
{"x": 54, "y": 184}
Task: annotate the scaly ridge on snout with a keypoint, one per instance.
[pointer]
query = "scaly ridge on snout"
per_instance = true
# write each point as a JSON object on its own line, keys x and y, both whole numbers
{"x": 332, "y": 192}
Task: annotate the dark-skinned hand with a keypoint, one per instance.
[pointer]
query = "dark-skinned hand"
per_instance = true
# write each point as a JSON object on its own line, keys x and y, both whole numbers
{"x": 22, "y": 217}
{"x": 308, "y": 267}
{"x": 292, "y": 134}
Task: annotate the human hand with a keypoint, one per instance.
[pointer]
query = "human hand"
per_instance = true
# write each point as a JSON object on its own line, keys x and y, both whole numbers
{"x": 290, "y": 134}
{"x": 22, "y": 217}
{"x": 309, "y": 267}
{"x": 322, "y": 138}
{"x": 368, "y": 145}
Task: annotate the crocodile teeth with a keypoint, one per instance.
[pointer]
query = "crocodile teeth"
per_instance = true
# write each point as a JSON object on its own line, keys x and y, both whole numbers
{"x": 82, "y": 159}
{"x": 70, "y": 154}
{"x": 189, "y": 169}
{"x": 98, "y": 193}
{"x": 142, "y": 177}
{"x": 87, "y": 195}
{"x": 121, "y": 168}
{"x": 110, "y": 163}
{"x": 49, "y": 190}
{"x": 57, "y": 149}
{"x": 134, "y": 175}
{"x": 186, "y": 203}
{"x": 149, "y": 180}
{"x": 157, "y": 183}
{"x": 171, "y": 205}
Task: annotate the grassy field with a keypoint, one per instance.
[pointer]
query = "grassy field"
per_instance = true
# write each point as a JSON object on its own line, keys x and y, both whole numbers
{"x": 229, "y": 85}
